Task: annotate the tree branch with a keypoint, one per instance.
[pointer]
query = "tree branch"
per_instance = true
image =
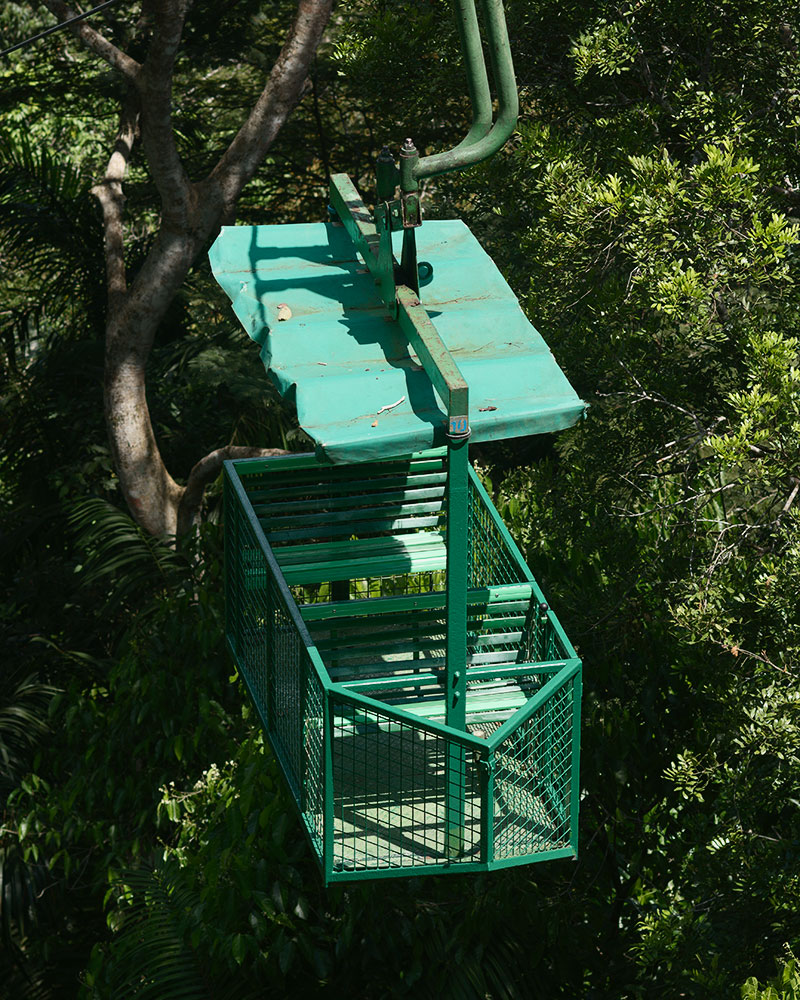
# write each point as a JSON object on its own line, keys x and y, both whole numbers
{"x": 112, "y": 200}
{"x": 761, "y": 657}
{"x": 788, "y": 191}
{"x": 191, "y": 215}
{"x": 98, "y": 43}
{"x": 205, "y": 472}
{"x": 282, "y": 92}
{"x": 158, "y": 134}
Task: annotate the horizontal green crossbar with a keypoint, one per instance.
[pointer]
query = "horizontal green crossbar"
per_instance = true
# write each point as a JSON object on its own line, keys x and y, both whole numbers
{"x": 411, "y": 629}
{"x": 292, "y": 508}
{"x": 415, "y": 644}
{"x": 375, "y": 475}
{"x": 352, "y": 527}
{"x": 462, "y": 867}
{"x": 424, "y": 552}
{"x": 322, "y": 489}
{"x": 358, "y": 875}
{"x": 473, "y": 673}
{"x": 339, "y": 692}
{"x": 376, "y": 668}
{"x": 522, "y": 859}
{"x": 344, "y": 508}
{"x": 479, "y": 704}
{"x": 308, "y": 460}
{"x": 380, "y": 605}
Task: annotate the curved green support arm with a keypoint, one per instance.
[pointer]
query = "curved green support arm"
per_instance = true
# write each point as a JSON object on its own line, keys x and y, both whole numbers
{"x": 484, "y": 138}
{"x": 477, "y": 81}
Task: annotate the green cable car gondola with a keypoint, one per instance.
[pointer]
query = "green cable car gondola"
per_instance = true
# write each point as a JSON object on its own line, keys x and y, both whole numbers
{"x": 420, "y": 696}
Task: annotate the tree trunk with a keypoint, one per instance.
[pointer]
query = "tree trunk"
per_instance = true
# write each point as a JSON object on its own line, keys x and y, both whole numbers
{"x": 151, "y": 493}
{"x": 191, "y": 214}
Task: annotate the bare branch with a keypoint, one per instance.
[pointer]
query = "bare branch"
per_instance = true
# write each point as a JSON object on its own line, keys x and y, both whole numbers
{"x": 158, "y": 134}
{"x": 789, "y": 192}
{"x": 206, "y": 471}
{"x": 98, "y": 43}
{"x": 761, "y": 657}
{"x": 112, "y": 200}
{"x": 282, "y": 92}
{"x": 701, "y": 496}
{"x": 791, "y": 499}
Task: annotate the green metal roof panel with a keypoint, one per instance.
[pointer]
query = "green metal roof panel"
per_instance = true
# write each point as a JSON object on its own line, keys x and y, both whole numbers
{"x": 342, "y": 361}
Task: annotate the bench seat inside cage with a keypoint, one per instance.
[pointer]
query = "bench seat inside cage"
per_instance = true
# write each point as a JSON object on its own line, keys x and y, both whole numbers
{"x": 336, "y": 579}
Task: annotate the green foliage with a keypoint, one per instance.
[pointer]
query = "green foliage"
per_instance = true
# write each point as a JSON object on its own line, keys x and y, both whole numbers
{"x": 152, "y": 957}
{"x": 784, "y": 986}
{"x": 52, "y": 248}
{"x": 645, "y": 215}
{"x": 663, "y": 271}
{"x": 256, "y": 917}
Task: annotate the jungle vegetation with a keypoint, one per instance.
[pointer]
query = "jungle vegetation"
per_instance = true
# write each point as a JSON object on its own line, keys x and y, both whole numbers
{"x": 646, "y": 214}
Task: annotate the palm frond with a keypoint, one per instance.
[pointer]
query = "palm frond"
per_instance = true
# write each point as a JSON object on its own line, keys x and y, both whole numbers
{"x": 24, "y": 701}
{"x": 152, "y": 957}
{"x": 121, "y": 559}
{"x": 42, "y": 196}
{"x": 23, "y": 984}
{"x": 25, "y": 902}
{"x": 52, "y": 241}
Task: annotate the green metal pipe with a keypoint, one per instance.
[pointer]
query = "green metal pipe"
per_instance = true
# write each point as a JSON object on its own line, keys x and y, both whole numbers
{"x": 575, "y": 763}
{"x": 338, "y": 692}
{"x": 539, "y": 699}
{"x": 456, "y": 641}
{"x": 503, "y": 73}
{"x": 487, "y": 806}
{"x": 466, "y": 155}
{"x": 457, "y": 499}
{"x": 477, "y": 81}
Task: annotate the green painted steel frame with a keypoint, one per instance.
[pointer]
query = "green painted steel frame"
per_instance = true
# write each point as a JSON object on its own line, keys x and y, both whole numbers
{"x": 374, "y": 244}
{"x": 399, "y": 288}
{"x": 483, "y": 140}
{"x": 564, "y": 672}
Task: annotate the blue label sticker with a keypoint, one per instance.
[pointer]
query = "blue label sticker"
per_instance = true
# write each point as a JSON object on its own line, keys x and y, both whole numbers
{"x": 458, "y": 425}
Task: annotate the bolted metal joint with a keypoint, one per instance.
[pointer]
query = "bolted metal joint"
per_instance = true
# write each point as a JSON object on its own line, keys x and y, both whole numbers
{"x": 409, "y": 157}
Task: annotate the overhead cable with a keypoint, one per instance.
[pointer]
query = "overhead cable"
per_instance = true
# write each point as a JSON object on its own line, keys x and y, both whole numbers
{"x": 57, "y": 27}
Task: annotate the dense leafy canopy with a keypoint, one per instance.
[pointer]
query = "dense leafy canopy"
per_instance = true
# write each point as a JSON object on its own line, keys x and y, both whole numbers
{"x": 646, "y": 214}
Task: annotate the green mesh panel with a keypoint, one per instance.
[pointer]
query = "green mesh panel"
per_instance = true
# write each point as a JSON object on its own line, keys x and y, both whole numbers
{"x": 533, "y": 780}
{"x": 540, "y": 641}
{"x": 390, "y": 794}
{"x": 490, "y": 559}
{"x": 314, "y": 755}
{"x": 275, "y": 663}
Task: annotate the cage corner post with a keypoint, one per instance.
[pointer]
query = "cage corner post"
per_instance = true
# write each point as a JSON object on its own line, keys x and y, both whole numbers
{"x": 456, "y": 672}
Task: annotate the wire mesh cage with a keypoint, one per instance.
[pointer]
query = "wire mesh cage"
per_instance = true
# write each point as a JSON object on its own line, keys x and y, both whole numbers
{"x": 336, "y": 618}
